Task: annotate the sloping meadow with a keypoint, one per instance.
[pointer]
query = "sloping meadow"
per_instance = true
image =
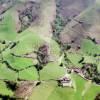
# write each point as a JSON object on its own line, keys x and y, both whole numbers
{"x": 50, "y": 58}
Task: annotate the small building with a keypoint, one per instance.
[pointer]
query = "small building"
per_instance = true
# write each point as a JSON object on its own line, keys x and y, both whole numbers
{"x": 65, "y": 82}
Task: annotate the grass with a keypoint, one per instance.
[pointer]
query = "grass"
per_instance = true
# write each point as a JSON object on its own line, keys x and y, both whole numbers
{"x": 30, "y": 40}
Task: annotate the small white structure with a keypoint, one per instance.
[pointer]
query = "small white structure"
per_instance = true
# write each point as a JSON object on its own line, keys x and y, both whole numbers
{"x": 65, "y": 82}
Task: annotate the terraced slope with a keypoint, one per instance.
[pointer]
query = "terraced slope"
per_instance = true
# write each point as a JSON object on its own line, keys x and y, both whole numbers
{"x": 49, "y": 50}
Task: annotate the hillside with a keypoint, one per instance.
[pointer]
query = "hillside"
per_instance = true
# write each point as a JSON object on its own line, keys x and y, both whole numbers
{"x": 49, "y": 50}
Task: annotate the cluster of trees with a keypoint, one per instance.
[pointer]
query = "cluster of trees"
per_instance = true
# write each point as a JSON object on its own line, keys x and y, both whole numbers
{"x": 90, "y": 72}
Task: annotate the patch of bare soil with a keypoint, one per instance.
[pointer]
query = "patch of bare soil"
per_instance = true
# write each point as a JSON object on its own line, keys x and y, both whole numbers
{"x": 5, "y": 5}
{"x": 71, "y": 8}
{"x": 28, "y": 12}
{"x": 66, "y": 12}
{"x": 81, "y": 27}
{"x": 73, "y": 36}
{"x": 42, "y": 24}
{"x": 24, "y": 89}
